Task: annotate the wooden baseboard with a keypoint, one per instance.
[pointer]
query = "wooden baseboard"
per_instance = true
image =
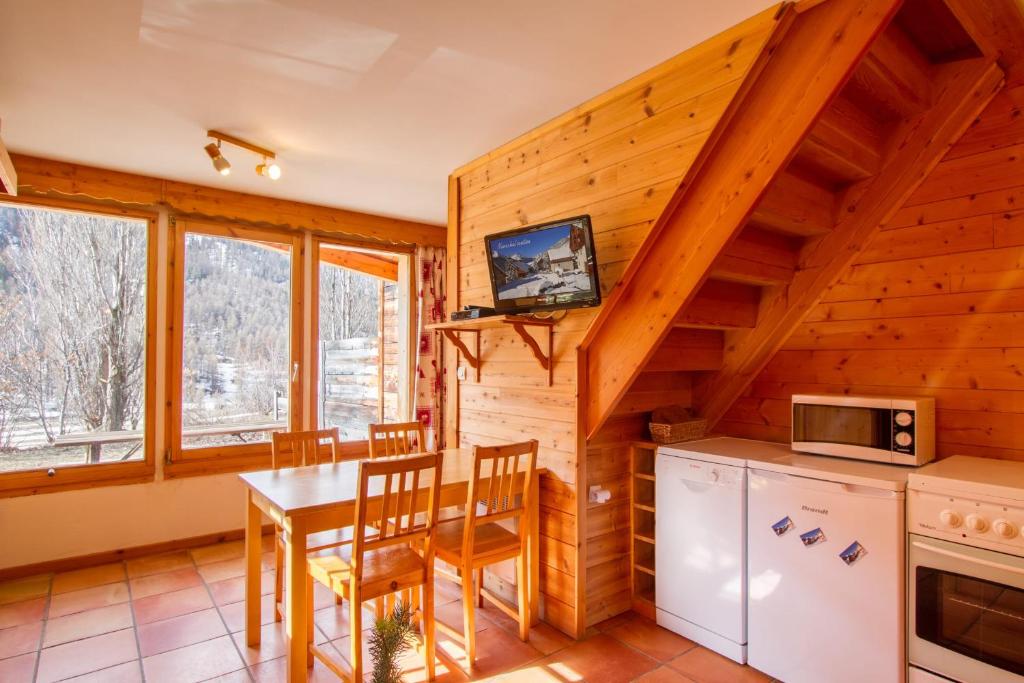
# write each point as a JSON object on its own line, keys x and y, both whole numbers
{"x": 65, "y": 564}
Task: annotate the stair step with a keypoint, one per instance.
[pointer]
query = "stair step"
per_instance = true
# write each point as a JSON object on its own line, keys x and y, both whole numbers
{"x": 758, "y": 257}
{"x": 796, "y": 206}
{"x": 844, "y": 146}
{"x": 894, "y": 78}
{"x": 688, "y": 350}
{"x": 722, "y": 305}
{"x": 656, "y": 389}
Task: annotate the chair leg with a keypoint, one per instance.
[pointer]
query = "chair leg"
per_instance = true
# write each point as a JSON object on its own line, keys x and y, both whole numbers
{"x": 468, "y": 616}
{"x": 479, "y": 587}
{"x": 524, "y": 599}
{"x": 355, "y": 620}
{"x": 278, "y": 576}
{"x": 309, "y": 621}
{"x": 429, "y": 644}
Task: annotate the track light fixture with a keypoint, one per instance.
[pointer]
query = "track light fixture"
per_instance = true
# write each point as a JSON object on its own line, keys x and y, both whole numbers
{"x": 268, "y": 168}
{"x": 222, "y": 165}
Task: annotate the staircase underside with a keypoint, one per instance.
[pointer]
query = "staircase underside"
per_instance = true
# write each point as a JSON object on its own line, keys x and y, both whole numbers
{"x": 847, "y": 115}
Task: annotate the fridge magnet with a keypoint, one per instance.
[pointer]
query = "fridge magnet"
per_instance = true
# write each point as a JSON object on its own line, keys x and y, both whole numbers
{"x": 813, "y": 537}
{"x": 782, "y": 526}
{"x": 854, "y": 552}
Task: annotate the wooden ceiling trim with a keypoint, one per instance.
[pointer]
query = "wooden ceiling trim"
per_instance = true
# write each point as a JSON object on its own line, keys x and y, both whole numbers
{"x": 48, "y": 177}
{"x": 917, "y": 146}
{"x": 780, "y": 102}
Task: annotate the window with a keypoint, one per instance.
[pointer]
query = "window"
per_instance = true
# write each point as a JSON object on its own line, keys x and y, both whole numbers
{"x": 75, "y": 305}
{"x": 235, "y": 307}
{"x": 358, "y": 353}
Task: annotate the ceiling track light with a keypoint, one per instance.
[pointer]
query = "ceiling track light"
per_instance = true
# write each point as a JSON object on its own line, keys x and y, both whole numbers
{"x": 222, "y": 165}
{"x": 268, "y": 168}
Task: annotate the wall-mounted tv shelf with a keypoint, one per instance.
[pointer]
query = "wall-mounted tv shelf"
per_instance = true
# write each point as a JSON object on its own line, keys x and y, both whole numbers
{"x": 452, "y": 331}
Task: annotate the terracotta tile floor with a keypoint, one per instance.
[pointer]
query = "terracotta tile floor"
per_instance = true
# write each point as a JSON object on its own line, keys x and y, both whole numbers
{"x": 178, "y": 617}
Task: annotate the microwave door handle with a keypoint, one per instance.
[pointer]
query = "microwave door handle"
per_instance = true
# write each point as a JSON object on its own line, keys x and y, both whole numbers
{"x": 968, "y": 558}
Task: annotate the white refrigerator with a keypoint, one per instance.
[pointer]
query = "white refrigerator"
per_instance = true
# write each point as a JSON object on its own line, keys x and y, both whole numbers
{"x": 826, "y": 557}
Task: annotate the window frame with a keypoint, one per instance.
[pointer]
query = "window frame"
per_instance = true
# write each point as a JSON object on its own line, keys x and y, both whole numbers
{"x": 229, "y": 457}
{"x": 86, "y": 475}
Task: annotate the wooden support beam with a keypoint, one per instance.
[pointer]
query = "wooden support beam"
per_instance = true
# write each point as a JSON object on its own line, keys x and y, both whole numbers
{"x": 8, "y": 176}
{"x": 796, "y": 206}
{"x": 761, "y": 130}
{"x": 722, "y": 305}
{"x": 920, "y": 143}
{"x": 383, "y": 267}
{"x": 47, "y": 177}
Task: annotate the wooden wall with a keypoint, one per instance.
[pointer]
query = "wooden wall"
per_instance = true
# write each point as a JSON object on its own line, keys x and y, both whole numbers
{"x": 618, "y": 157}
{"x": 934, "y": 306}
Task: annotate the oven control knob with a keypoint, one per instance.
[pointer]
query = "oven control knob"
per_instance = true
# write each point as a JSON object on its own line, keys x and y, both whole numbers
{"x": 1004, "y": 528}
{"x": 977, "y": 523}
{"x": 951, "y": 518}
{"x": 904, "y": 439}
{"x": 903, "y": 418}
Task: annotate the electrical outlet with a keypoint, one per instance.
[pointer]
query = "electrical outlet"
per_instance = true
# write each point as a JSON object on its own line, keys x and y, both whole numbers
{"x": 460, "y": 373}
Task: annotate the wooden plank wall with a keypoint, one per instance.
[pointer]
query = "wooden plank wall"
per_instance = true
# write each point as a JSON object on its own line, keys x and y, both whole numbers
{"x": 934, "y": 306}
{"x": 618, "y": 157}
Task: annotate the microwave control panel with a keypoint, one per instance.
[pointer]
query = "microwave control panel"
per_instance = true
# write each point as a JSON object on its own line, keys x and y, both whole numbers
{"x": 903, "y": 424}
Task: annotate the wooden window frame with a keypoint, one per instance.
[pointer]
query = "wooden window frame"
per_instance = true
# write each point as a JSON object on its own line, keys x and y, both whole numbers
{"x": 234, "y": 457}
{"x": 85, "y": 475}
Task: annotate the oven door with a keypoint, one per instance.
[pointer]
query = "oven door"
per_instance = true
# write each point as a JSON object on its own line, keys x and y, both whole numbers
{"x": 966, "y": 612}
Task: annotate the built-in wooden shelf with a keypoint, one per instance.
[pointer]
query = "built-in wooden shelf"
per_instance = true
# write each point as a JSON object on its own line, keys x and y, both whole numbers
{"x": 642, "y": 499}
{"x": 452, "y": 329}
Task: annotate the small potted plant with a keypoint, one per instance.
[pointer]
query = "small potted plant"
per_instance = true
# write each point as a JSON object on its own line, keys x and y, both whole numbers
{"x": 392, "y": 636}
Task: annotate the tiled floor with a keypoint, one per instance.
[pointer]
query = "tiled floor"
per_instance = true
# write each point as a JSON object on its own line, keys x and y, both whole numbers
{"x": 178, "y": 617}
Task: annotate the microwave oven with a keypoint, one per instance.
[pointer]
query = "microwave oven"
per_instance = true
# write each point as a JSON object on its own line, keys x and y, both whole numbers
{"x": 900, "y": 431}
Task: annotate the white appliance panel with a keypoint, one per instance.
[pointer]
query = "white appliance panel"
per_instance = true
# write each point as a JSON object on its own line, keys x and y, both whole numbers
{"x": 812, "y": 616}
{"x": 700, "y": 583}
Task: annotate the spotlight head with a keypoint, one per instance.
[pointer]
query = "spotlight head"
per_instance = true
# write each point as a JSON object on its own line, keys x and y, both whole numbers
{"x": 271, "y": 170}
{"x": 219, "y": 162}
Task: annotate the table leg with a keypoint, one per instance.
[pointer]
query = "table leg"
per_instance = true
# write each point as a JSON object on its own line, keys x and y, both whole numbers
{"x": 295, "y": 616}
{"x": 253, "y": 550}
{"x": 533, "y": 549}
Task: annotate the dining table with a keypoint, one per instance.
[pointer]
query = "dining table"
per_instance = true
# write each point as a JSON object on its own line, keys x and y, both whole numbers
{"x": 307, "y": 500}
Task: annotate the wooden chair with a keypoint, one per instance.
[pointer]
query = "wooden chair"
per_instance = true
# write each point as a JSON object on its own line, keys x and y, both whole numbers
{"x": 397, "y": 438}
{"x": 475, "y": 541}
{"x": 298, "y": 449}
{"x": 391, "y": 552}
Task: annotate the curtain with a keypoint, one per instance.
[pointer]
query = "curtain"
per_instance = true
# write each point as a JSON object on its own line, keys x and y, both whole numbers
{"x": 430, "y": 380}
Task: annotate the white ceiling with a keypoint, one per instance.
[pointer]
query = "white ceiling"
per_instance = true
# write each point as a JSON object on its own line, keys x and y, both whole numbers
{"x": 369, "y": 103}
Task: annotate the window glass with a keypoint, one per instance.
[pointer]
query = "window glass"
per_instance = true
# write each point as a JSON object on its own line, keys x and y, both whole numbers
{"x": 235, "y": 354}
{"x": 72, "y": 338}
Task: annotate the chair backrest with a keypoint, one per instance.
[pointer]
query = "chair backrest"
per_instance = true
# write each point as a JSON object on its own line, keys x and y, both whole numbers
{"x": 492, "y": 488}
{"x": 401, "y": 497}
{"x": 397, "y": 438}
{"x": 295, "y": 449}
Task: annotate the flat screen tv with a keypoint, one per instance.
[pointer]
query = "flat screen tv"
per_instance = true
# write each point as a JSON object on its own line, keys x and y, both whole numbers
{"x": 544, "y": 267}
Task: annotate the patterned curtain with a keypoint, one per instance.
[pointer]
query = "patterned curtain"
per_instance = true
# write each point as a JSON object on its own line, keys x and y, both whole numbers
{"x": 430, "y": 381}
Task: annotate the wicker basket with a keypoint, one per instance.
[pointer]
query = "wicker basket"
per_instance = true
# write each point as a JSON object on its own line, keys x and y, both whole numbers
{"x": 678, "y": 431}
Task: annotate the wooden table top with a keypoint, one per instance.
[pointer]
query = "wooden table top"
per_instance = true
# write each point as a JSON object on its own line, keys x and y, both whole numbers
{"x": 304, "y": 489}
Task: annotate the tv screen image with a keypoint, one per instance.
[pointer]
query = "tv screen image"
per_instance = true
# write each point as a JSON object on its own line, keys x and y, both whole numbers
{"x": 547, "y": 266}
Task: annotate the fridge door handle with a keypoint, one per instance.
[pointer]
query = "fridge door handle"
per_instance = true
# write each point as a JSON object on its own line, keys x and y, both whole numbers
{"x": 927, "y": 547}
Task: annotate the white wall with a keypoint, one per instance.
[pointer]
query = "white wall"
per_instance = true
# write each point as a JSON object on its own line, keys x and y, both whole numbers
{"x": 73, "y": 523}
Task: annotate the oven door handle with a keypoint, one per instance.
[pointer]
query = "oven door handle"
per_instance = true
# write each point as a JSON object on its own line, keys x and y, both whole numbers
{"x": 967, "y": 558}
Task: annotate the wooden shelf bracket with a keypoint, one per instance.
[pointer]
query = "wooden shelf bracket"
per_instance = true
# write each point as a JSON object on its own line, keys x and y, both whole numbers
{"x": 472, "y": 357}
{"x": 545, "y": 359}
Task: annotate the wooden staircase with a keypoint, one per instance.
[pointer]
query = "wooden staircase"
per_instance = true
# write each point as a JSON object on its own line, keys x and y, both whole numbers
{"x": 855, "y": 105}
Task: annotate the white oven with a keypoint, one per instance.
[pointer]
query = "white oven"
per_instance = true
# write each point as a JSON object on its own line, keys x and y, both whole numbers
{"x": 966, "y": 611}
{"x": 900, "y": 431}
{"x": 966, "y": 571}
